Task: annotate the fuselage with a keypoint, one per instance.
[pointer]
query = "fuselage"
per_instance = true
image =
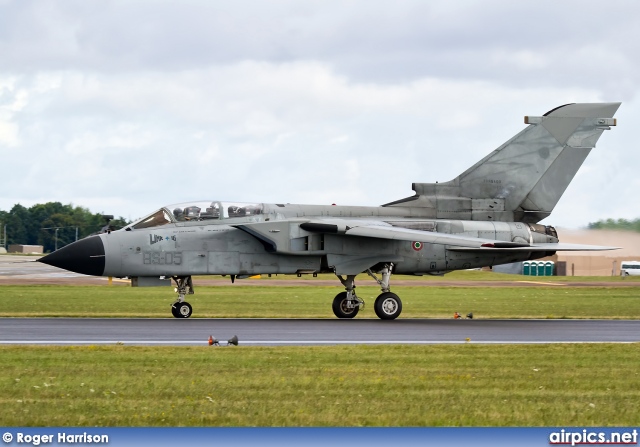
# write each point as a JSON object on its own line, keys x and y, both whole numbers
{"x": 211, "y": 238}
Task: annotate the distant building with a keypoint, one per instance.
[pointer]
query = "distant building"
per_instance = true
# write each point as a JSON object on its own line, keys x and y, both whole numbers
{"x": 588, "y": 263}
{"x": 598, "y": 263}
{"x": 17, "y": 248}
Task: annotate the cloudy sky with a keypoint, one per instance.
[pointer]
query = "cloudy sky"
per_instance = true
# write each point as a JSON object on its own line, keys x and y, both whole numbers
{"x": 124, "y": 106}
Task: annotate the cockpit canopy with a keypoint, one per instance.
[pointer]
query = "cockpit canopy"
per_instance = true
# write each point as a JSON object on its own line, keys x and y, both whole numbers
{"x": 196, "y": 211}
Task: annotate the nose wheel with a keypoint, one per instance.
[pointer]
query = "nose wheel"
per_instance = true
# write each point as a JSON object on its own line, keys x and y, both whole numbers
{"x": 181, "y": 310}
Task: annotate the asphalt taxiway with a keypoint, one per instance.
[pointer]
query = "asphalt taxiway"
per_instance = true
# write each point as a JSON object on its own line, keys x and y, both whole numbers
{"x": 195, "y": 331}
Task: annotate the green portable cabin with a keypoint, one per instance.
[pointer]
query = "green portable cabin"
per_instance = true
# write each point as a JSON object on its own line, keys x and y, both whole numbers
{"x": 548, "y": 268}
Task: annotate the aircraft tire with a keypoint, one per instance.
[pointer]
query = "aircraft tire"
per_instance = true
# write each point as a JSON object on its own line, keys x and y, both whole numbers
{"x": 339, "y": 308}
{"x": 182, "y": 310}
{"x": 388, "y": 306}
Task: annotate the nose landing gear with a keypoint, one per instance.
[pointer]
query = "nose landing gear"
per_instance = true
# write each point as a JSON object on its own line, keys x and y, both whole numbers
{"x": 184, "y": 286}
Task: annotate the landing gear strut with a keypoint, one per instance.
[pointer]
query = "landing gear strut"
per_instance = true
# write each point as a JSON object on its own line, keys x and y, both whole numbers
{"x": 184, "y": 286}
{"x": 347, "y": 304}
{"x": 388, "y": 305}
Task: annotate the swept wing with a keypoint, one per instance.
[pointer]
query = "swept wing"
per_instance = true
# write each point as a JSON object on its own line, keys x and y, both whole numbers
{"x": 454, "y": 242}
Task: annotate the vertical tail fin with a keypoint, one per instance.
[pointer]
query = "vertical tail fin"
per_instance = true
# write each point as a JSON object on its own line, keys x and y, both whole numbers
{"x": 524, "y": 178}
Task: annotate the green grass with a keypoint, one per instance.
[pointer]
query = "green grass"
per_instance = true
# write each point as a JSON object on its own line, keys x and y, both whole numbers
{"x": 460, "y": 385}
{"x": 315, "y": 301}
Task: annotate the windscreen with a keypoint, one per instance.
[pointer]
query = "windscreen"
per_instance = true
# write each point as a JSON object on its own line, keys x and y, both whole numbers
{"x": 160, "y": 217}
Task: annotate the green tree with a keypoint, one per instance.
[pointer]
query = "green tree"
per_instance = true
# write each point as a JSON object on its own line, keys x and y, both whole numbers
{"x": 57, "y": 231}
{"x": 17, "y": 225}
{"x": 37, "y": 225}
{"x": 616, "y": 224}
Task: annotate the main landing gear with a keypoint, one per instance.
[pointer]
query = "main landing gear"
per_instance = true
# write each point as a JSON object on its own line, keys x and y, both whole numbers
{"x": 388, "y": 305}
{"x": 184, "y": 286}
{"x": 347, "y": 304}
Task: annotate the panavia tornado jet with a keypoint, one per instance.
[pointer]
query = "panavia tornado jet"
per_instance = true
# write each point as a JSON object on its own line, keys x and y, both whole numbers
{"x": 486, "y": 216}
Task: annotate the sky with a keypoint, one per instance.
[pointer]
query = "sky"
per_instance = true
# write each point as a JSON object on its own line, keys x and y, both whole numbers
{"x": 125, "y": 106}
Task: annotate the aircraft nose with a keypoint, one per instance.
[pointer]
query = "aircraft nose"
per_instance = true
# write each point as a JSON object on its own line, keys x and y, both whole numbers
{"x": 85, "y": 256}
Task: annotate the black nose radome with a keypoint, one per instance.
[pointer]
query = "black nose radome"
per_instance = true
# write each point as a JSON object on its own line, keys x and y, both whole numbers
{"x": 85, "y": 256}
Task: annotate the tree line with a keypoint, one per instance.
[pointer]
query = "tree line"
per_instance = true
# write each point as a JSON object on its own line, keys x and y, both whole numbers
{"x": 37, "y": 225}
{"x": 616, "y": 224}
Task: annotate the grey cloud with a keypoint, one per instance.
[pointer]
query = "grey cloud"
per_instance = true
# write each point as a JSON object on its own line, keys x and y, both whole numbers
{"x": 372, "y": 41}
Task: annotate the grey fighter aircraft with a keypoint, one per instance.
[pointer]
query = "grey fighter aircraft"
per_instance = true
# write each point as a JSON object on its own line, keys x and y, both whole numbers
{"x": 486, "y": 216}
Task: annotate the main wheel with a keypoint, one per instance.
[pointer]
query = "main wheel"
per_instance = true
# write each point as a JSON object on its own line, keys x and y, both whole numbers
{"x": 340, "y": 308}
{"x": 181, "y": 310}
{"x": 388, "y": 306}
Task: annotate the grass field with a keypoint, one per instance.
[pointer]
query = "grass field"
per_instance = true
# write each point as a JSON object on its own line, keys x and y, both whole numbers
{"x": 461, "y": 385}
{"x": 398, "y": 385}
{"x": 315, "y": 302}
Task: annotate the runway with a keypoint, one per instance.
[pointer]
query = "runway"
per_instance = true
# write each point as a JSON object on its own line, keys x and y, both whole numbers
{"x": 276, "y": 332}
